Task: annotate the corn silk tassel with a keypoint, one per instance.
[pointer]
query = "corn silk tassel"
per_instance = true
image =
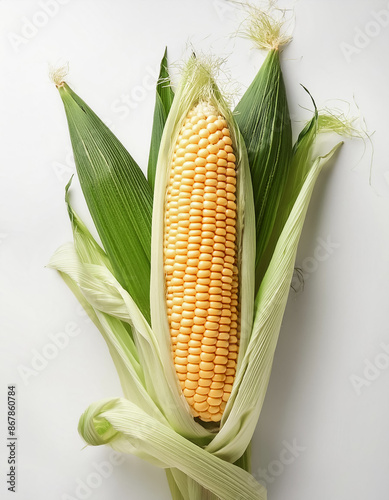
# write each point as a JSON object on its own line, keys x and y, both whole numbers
{"x": 204, "y": 450}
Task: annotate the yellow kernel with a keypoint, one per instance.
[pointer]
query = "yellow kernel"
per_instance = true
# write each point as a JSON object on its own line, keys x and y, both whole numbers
{"x": 213, "y": 138}
{"x": 190, "y": 384}
{"x": 201, "y": 406}
{"x": 220, "y": 360}
{"x": 200, "y": 161}
{"x": 212, "y": 158}
{"x": 214, "y": 401}
{"x": 221, "y": 163}
{"x": 193, "y": 368}
{"x": 190, "y": 156}
{"x": 208, "y": 348}
{"x": 211, "y": 325}
{"x": 202, "y": 390}
{"x": 206, "y": 365}
{"x": 205, "y": 265}
{"x": 212, "y": 127}
{"x": 211, "y": 118}
{"x": 193, "y": 358}
{"x": 198, "y": 328}
{"x": 210, "y": 196}
{"x": 210, "y": 205}
{"x": 194, "y": 139}
{"x": 207, "y": 356}
{"x": 209, "y": 341}
{"x": 213, "y": 149}
{"x": 205, "y": 382}
{"x": 198, "y": 398}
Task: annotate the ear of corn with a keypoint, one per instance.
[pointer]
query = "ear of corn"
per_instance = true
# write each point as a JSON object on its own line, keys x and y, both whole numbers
{"x": 163, "y": 101}
{"x": 200, "y": 257}
{"x": 118, "y": 196}
{"x": 156, "y": 365}
{"x": 200, "y": 252}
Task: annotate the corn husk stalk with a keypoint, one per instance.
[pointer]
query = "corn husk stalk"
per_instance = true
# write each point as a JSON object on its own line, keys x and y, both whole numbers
{"x": 153, "y": 419}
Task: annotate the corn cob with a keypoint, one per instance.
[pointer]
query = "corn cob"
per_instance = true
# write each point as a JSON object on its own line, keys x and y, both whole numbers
{"x": 200, "y": 261}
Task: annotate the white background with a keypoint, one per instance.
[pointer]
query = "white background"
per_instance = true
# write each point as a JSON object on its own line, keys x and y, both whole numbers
{"x": 331, "y": 329}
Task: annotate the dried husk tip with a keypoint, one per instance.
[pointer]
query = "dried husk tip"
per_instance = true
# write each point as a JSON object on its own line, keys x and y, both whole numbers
{"x": 58, "y": 74}
{"x": 266, "y": 27}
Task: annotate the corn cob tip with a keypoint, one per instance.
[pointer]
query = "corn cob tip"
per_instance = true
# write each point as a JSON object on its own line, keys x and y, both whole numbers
{"x": 201, "y": 71}
{"x": 58, "y": 74}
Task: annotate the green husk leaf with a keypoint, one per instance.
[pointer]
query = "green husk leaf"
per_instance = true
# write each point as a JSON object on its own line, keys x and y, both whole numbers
{"x": 263, "y": 118}
{"x": 197, "y": 84}
{"x": 87, "y": 248}
{"x": 301, "y": 163}
{"x": 250, "y": 385}
{"x": 163, "y": 101}
{"x": 118, "y": 196}
{"x": 126, "y": 428}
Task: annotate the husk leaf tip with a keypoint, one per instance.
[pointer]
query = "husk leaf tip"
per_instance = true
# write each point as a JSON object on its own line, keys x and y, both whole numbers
{"x": 266, "y": 27}
{"x": 58, "y": 74}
